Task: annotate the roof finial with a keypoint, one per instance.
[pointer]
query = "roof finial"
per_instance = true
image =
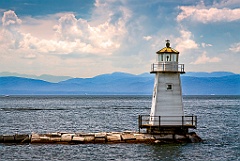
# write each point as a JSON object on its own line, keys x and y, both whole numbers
{"x": 167, "y": 43}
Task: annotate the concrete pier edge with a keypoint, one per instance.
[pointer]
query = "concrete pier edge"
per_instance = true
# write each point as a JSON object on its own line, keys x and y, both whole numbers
{"x": 100, "y": 137}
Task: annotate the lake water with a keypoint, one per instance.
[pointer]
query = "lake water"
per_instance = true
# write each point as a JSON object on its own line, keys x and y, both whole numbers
{"x": 218, "y": 126}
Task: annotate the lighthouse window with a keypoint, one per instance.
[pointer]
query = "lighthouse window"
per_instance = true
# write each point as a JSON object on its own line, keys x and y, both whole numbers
{"x": 173, "y": 57}
{"x": 160, "y": 57}
{"x": 169, "y": 86}
{"x": 168, "y": 57}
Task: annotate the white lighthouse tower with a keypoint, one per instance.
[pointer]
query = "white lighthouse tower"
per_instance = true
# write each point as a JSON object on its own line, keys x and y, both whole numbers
{"x": 167, "y": 92}
{"x": 167, "y": 106}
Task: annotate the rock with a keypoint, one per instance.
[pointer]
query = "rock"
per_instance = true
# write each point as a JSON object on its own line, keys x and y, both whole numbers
{"x": 100, "y": 140}
{"x": 8, "y": 139}
{"x": 139, "y": 137}
{"x": 35, "y": 138}
{"x": 164, "y": 137}
{"x": 126, "y": 137}
{"x": 100, "y": 137}
{"x": 180, "y": 137}
{"x": 144, "y": 138}
{"x": 22, "y": 138}
{"x": 55, "y": 134}
{"x": 55, "y": 139}
{"x": 78, "y": 139}
{"x": 45, "y": 139}
{"x": 89, "y": 139}
{"x": 194, "y": 138}
{"x": 67, "y": 137}
{"x": 114, "y": 138}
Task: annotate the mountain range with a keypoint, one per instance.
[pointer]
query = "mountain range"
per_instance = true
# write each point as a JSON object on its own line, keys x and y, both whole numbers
{"x": 193, "y": 83}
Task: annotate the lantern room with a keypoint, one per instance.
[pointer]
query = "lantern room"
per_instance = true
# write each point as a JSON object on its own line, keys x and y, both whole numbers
{"x": 167, "y": 54}
{"x": 167, "y": 60}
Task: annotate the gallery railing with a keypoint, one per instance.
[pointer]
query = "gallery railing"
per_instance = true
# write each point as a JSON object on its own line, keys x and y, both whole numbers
{"x": 167, "y": 67}
{"x": 145, "y": 121}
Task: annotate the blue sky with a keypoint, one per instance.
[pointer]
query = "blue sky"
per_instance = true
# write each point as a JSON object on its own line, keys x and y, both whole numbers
{"x": 84, "y": 38}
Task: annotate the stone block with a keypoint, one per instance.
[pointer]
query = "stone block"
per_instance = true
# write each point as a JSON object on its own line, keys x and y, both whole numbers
{"x": 143, "y": 137}
{"x": 100, "y": 135}
{"x": 55, "y": 139}
{"x": 9, "y": 139}
{"x": 100, "y": 139}
{"x": 67, "y": 137}
{"x": 55, "y": 134}
{"x": 45, "y": 139}
{"x": 126, "y": 137}
{"x": 89, "y": 139}
{"x": 114, "y": 138}
{"x": 78, "y": 139}
{"x": 139, "y": 136}
{"x": 35, "y": 138}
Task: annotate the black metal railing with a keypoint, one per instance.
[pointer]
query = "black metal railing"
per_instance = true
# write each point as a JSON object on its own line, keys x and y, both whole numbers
{"x": 167, "y": 67}
{"x": 145, "y": 121}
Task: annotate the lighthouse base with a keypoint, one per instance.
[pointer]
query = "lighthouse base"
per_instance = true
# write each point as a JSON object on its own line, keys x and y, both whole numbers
{"x": 168, "y": 130}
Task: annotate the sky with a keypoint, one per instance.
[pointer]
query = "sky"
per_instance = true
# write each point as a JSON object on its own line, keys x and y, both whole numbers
{"x": 85, "y": 38}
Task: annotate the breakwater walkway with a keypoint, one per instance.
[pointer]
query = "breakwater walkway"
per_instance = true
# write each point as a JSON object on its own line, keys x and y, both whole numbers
{"x": 102, "y": 137}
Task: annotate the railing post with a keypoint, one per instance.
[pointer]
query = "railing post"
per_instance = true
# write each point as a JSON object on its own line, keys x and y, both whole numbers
{"x": 196, "y": 121}
{"x": 182, "y": 120}
{"x": 159, "y": 122}
{"x": 139, "y": 122}
{"x": 192, "y": 119}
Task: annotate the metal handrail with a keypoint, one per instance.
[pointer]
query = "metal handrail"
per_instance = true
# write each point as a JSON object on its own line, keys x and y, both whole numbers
{"x": 146, "y": 120}
{"x": 167, "y": 67}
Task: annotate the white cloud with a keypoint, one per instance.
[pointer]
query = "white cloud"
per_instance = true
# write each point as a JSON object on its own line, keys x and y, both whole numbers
{"x": 10, "y": 20}
{"x": 203, "y": 59}
{"x": 208, "y": 15}
{"x": 185, "y": 42}
{"x": 235, "y": 48}
{"x": 206, "y": 45}
{"x": 147, "y": 38}
{"x": 72, "y": 35}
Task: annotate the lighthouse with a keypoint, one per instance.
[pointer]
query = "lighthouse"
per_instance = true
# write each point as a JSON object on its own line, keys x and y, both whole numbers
{"x": 167, "y": 112}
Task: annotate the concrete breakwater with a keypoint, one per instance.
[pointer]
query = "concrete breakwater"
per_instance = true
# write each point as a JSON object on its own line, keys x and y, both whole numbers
{"x": 103, "y": 137}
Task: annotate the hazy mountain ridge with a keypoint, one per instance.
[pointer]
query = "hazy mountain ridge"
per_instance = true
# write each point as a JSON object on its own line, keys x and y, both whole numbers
{"x": 44, "y": 77}
{"x": 122, "y": 83}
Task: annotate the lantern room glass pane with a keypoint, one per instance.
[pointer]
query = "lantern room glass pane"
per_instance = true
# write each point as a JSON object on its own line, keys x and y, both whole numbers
{"x": 160, "y": 57}
{"x": 174, "y": 57}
